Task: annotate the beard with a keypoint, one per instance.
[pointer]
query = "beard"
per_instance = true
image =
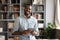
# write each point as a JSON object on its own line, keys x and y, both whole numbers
{"x": 27, "y": 13}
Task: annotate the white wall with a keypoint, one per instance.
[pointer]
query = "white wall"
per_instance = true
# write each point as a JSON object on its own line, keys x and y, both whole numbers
{"x": 49, "y": 11}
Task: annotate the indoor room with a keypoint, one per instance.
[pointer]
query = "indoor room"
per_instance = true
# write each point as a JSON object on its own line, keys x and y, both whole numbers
{"x": 29, "y": 20}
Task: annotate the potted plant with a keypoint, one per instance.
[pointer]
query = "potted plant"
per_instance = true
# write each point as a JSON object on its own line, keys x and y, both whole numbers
{"x": 50, "y": 30}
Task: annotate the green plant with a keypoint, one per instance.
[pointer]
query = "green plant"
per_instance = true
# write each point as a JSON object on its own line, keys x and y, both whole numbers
{"x": 50, "y": 30}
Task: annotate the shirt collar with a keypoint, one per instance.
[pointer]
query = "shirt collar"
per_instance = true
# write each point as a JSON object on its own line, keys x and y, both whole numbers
{"x": 25, "y": 17}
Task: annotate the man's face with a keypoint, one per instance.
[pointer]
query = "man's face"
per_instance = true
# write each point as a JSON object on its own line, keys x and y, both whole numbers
{"x": 27, "y": 10}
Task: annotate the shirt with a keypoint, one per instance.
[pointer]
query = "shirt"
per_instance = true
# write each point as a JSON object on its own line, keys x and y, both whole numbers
{"x": 22, "y": 23}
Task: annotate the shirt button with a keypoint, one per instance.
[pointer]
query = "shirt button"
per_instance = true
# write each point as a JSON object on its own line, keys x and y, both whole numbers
{"x": 28, "y": 36}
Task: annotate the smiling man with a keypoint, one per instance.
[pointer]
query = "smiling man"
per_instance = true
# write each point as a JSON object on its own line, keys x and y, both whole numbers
{"x": 26, "y": 24}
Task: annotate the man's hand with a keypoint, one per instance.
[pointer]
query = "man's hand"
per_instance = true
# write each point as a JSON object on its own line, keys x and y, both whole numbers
{"x": 32, "y": 32}
{"x": 26, "y": 31}
{"x": 23, "y": 32}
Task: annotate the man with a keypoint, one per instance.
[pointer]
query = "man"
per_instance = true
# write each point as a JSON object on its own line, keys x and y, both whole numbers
{"x": 26, "y": 24}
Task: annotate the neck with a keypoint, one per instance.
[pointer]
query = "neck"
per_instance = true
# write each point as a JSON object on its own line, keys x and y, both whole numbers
{"x": 27, "y": 16}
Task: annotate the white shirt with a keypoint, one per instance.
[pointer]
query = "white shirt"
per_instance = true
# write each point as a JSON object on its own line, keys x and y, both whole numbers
{"x": 22, "y": 24}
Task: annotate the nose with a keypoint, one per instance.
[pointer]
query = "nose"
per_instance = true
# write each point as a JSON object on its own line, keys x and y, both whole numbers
{"x": 27, "y": 10}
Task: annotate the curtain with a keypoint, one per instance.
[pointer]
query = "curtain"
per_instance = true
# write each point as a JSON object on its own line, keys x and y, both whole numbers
{"x": 57, "y": 14}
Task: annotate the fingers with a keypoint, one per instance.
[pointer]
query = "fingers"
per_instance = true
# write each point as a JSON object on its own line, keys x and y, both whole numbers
{"x": 26, "y": 31}
{"x": 32, "y": 33}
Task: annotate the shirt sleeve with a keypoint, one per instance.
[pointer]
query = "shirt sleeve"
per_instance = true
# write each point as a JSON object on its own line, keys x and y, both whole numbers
{"x": 16, "y": 25}
{"x": 36, "y": 28}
